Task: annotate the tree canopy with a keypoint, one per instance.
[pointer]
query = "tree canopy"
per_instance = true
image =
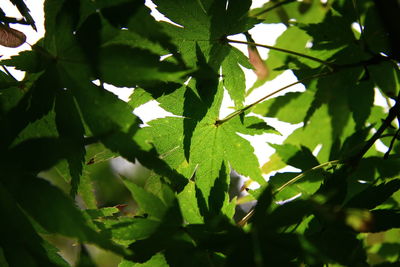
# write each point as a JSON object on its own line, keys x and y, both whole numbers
{"x": 340, "y": 208}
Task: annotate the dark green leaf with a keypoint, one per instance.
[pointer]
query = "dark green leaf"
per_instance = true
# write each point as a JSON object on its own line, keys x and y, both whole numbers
{"x": 35, "y": 155}
{"x": 6, "y": 81}
{"x": 170, "y": 227}
{"x": 343, "y": 246}
{"x": 112, "y": 122}
{"x": 124, "y": 66}
{"x": 25, "y": 12}
{"x": 20, "y": 243}
{"x": 69, "y": 126}
{"x": 206, "y": 26}
{"x": 373, "y": 196}
{"x": 32, "y": 61}
{"x": 371, "y": 168}
{"x": 131, "y": 229}
{"x": 383, "y": 220}
{"x": 284, "y": 11}
{"x": 35, "y": 104}
{"x": 386, "y": 77}
{"x": 35, "y": 195}
{"x": 252, "y": 125}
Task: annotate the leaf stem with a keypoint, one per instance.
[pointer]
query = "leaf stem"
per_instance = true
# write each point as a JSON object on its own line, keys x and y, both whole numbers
{"x": 301, "y": 175}
{"x": 327, "y": 64}
{"x": 247, "y": 217}
{"x": 242, "y": 110}
{"x": 273, "y": 7}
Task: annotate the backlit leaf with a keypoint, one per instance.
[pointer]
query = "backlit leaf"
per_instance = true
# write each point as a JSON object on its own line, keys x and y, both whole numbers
{"x": 206, "y": 25}
{"x": 148, "y": 202}
{"x": 61, "y": 215}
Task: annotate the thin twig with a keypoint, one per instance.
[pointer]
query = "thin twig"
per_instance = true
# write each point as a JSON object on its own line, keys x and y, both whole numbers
{"x": 393, "y": 113}
{"x": 242, "y": 110}
{"x": 247, "y": 217}
{"x": 329, "y": 65}
{"x": 273, "y": 7}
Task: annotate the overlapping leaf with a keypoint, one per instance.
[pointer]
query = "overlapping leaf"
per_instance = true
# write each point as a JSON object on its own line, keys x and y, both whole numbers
{"x": 291, "y": 11}
{"x": 211, "y": 145}
{"x": 29, "y": 249}
{"x": 61, "y": 217}
{"x": 206, "y": 24}
{"x": 58, "y": 118}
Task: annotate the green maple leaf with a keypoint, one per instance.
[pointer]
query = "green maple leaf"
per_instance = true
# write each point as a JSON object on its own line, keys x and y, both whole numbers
{"x": 61, "y": 216}
{"x": 166, "y": 135}
{"x": 213, "y": 145}
{"x": 291, "y": 14}
{"x": 70, "y": 127}
{"x": 94, "y": 44}
{"x": 317, "y": 132}
{"x": 206, "y": 24}
{"x": 207, "y": 146}
{"x": 281, "y": 12}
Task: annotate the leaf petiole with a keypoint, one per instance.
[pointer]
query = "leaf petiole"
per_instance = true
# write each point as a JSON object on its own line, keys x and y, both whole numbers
{"x": 327, "y": 64}
{"x": 242, "y": 110}
{"x": 247, "y": 217}
{"x": 301, "y": 175}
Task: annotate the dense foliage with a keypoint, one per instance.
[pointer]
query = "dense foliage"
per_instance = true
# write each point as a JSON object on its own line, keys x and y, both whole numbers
{"x": 341, "y": 208}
